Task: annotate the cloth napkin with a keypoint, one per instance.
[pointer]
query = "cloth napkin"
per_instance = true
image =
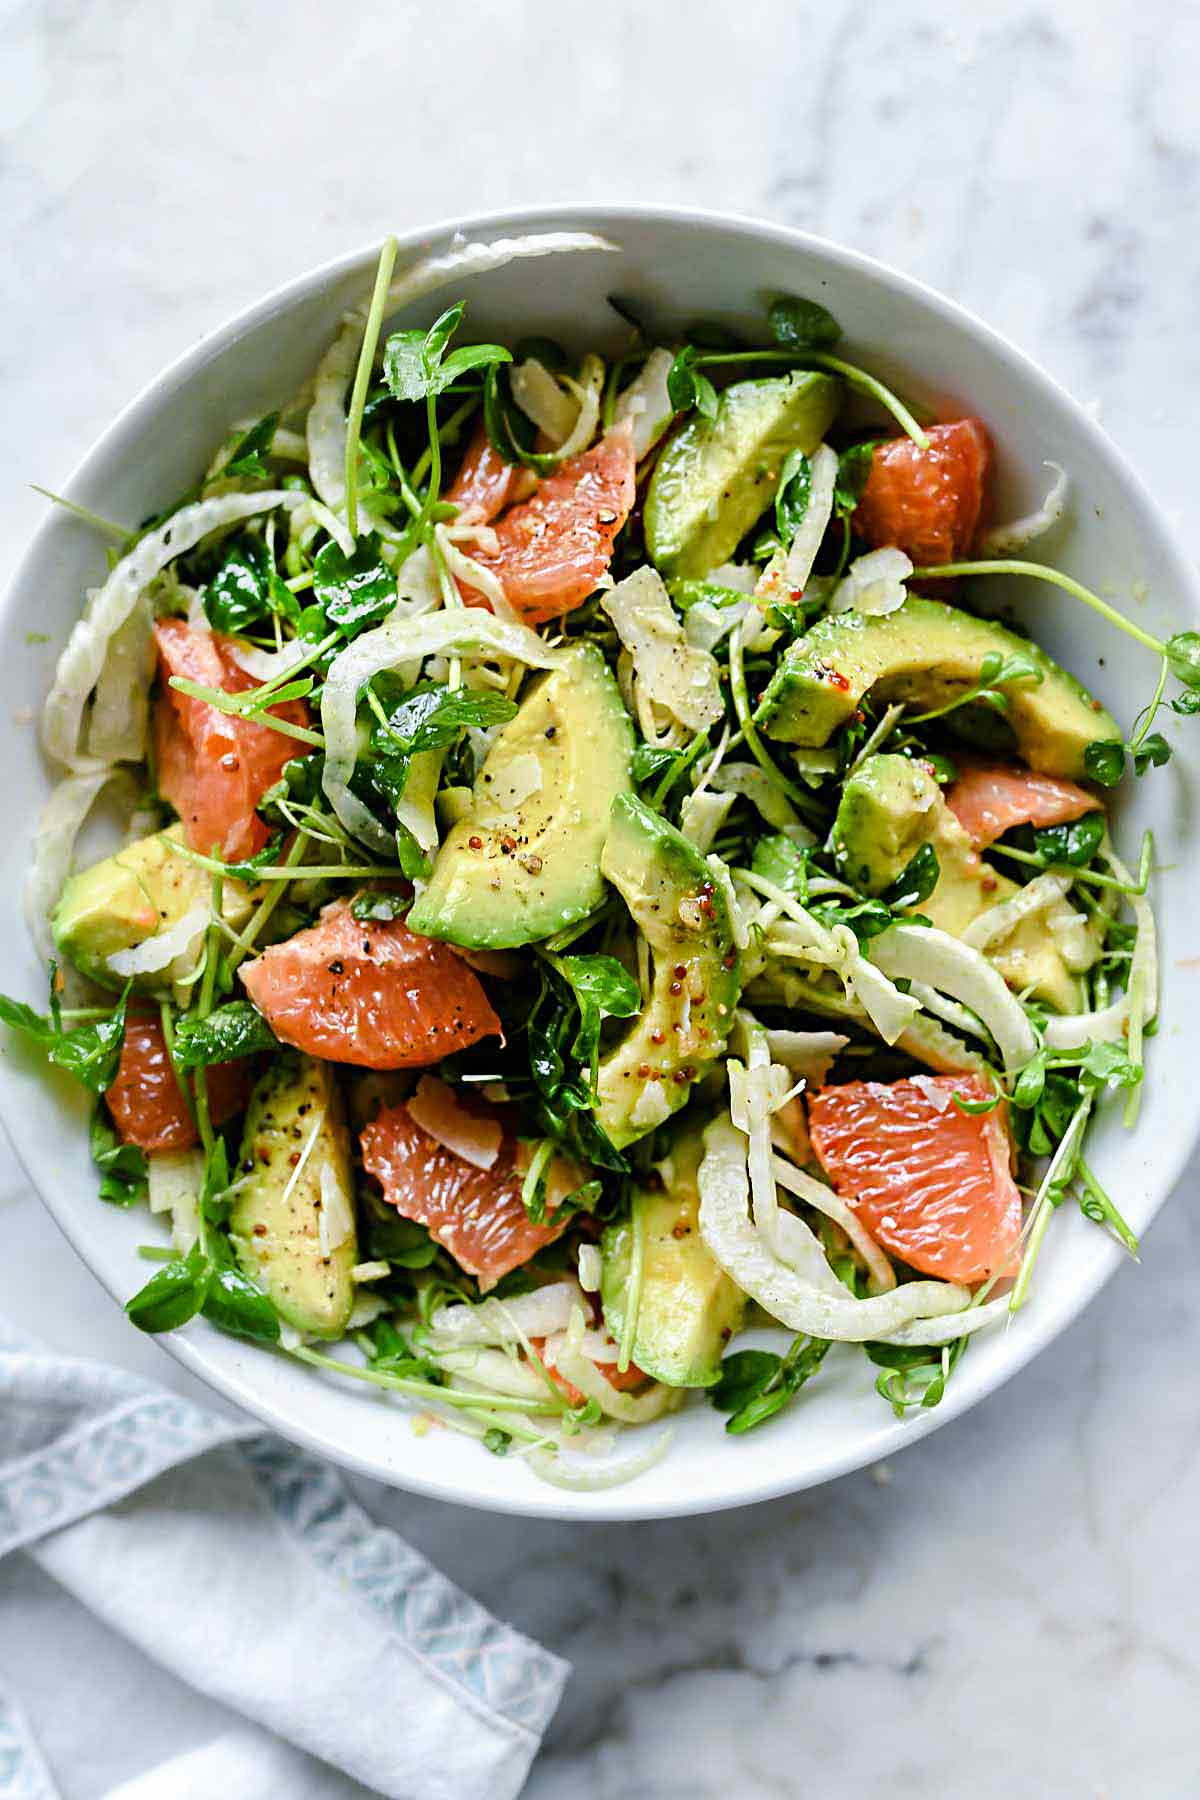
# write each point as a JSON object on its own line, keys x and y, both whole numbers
{"x": 243, "y": 1566}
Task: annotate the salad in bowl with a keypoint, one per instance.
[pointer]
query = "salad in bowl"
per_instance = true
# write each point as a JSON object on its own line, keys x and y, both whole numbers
{"x": 593, "y": 879}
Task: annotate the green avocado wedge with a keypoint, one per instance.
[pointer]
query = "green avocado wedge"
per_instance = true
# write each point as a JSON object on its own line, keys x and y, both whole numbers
{"x": 685, "y": 919}
{"x": 121, "y": 901}
{"x": 524, "y": 860}
{"x": 717, "y": 476}
{"x": 890, "y": 807}
{"x": 687, "y": 1307}
{"x": 924, "y": 655}
{"x": 292, "y": 1224}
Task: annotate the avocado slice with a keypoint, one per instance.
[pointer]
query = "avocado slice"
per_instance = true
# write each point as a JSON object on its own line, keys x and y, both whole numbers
{"x": 926, "y": 654}
{"x": 717, "y": 476}
{"x": 892, "y": 805}
{"x": 128, "y": 897}
{"x": 513, "y": 871}
{"x": 688, "y": 1307}
{"x": 684, "y": 917}
{"x": 275, "y": 1225}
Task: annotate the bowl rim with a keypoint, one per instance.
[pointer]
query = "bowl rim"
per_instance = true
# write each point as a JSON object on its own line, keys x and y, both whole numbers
{"x": 229, "y": 1384}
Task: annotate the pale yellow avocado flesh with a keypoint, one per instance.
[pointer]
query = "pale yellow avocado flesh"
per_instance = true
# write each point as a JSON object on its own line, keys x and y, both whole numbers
{"x": 717, "y": 476}
{"x": 687, "y": 1307}
{"x": 294, "y": 1165}
{"x": 141, "y": 890}
{"x": 685, "y": 919}
{"x": 523, "y": 860}
{"x": 892, "y": 805}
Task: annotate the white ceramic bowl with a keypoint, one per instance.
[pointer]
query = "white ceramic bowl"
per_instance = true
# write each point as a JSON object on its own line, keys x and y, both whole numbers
{"x": 675, "y": 266}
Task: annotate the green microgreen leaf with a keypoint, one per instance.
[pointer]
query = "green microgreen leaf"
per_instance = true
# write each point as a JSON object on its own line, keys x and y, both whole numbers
{"x": 249, "y": 455}
{"x": 997, "y": 672}
{"x": 430, "y": 718}
{"x": 603, "y": 989}
{"x": 792, "y": 495}
{"x": 650, "y": 760}
{"x": 780, "y": 861}
{"x": 415, "y": 363}
{"x": 173, "y": 1295}
{"x": 854, "y": 467}
{"x": 916, "y": 881}
{"x": 687, "y": 387}
{"x": 233, "y": 1301}
{"x": 91, "y": 1053}
{"x": 233, "y": 1030}
{"x": 1074, "y": 844}
{"x": 1104, "y": 762}
{"x": 1183, "y": 657}
{"x": 756, "y": 1384}
{"x": 914, "y": 1377}
{"x": 414, "y": 863}
{"x": 799, "y": 324}
{"x": 686, "y": 594}
{"x": 379, "y": 908}
{"x": 1153, "y": 751}
{"x": 352, "y": 593}
{"x": 246, "y": 588}
{"x": 122, "y": 1167}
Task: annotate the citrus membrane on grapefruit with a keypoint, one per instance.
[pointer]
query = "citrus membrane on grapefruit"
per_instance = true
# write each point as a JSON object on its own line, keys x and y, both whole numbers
{"x": 371, "y": 993}
{"x": 476, "y": 1214}
{"x": 214, "y": 768}
{"x": 932, "y": 1184}
{"x": 926, "y": 502}
{"x": 988, "y": 799}
{"x": 145, "y": 1101}
{"x": 552, "y": 550}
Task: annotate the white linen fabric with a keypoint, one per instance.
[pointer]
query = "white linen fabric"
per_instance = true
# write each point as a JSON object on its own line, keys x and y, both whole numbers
{"x": 241, "y": 1564}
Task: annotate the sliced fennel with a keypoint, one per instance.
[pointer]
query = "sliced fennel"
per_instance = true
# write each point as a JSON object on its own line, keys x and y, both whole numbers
{"x": 1039, "y": 895}
{"x": 1071, "y": 1031}
{"x": 179, "y": 943}
{"x": 673, "y": 675}
{"x": 799, "y": 934}
{"x": 646, "y": 403}
{"x": 873, "y": 584}
{"x": 467, "y": 632}
{"x": 787, "y": 573}
{"x": 1007, "y": 540}
{"x": 793, "y": 1297}
{"x": 61, "y": 820}
{"x": 922, "y": 953}
{"x": 82, "y": 662}
{"x": 824, "y": 1200}
{"x": 538, "y": 1314}
{"x": 581, "y": 1372}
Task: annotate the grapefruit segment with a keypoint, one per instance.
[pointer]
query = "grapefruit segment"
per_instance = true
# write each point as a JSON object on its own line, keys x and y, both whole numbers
{"x": 476, "y": 1214}
{"x": 145, "y": 1102}
{"x": 623, "y": 1382}
{"x": 552, "y": 550}
{"x": 373, "y": 993}
{"x": 485, "y": 482}
{"x": 214, "y": 768}
{"x": 927, "y": 502}
{"x": 932, "y": 1184}
{"x": 988, "y": 799}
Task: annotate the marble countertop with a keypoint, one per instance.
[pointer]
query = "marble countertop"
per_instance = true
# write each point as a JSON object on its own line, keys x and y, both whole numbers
{"x": 1010, "y": 1608}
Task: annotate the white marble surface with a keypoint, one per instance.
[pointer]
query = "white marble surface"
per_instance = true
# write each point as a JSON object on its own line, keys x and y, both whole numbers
{"x": 1009, "y": 1609}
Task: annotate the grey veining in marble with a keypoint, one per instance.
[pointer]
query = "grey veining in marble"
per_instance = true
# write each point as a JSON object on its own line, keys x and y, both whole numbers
{"x": 1009, "y": 1609}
